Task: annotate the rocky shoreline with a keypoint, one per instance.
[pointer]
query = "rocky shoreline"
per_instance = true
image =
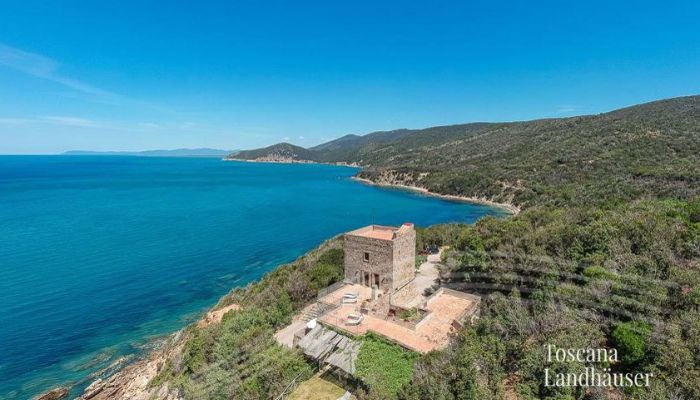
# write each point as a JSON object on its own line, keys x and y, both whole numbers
{"x": 286, "y": 160}
{"x": 510, "y": 208}
{"x": 132, "y": 380}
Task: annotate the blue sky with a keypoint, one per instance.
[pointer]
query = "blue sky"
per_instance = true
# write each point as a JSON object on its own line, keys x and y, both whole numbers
{"x": 134, "y": 75}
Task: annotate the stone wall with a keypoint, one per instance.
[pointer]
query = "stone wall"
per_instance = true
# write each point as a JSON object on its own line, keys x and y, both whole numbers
{"x": 380, "y": 259}
{"x": 404, "y": 256}
{"x": 393, "y": 260}
{"x": 405, "y": 295}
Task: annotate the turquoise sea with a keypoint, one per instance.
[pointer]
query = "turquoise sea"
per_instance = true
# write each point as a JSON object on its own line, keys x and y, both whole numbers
{"x": 100, "y": 255}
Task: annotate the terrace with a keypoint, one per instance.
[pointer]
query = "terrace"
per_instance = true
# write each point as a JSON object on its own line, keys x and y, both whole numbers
{"x": 375, "y": 232}
{"x": 437, "y": 317}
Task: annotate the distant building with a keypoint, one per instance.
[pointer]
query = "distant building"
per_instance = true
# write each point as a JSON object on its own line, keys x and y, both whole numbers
{"x": 381, "y": 256}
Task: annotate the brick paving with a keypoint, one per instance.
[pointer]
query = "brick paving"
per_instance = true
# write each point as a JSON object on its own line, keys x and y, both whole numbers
{"x": 431, "y": 333}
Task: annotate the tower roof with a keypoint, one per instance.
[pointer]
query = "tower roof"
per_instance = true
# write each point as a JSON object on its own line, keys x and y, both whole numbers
{"x": 381, "y": 232}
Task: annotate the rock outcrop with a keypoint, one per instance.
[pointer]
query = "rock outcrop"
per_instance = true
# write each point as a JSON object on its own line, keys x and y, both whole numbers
{"x": 54, "y": 394}
{"x": 133, "y": 382}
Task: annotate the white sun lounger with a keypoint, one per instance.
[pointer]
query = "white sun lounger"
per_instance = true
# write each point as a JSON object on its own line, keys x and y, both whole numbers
{"x": 354, "y": 319}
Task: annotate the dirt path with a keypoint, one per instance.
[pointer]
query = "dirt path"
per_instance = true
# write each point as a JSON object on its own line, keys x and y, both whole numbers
{"x": 428, "y": 273}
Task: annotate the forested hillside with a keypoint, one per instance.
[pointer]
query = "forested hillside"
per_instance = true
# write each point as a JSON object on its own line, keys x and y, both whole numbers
{"x": 625, "y": 278}
{"x": 281, "y": 152}
{"x": 646, "y": 151}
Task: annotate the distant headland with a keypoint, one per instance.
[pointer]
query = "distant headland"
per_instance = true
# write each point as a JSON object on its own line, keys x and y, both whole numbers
{"x": 199, "y": 152}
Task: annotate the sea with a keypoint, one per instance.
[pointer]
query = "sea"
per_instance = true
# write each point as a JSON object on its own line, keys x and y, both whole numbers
{"x": 100, "y": 256}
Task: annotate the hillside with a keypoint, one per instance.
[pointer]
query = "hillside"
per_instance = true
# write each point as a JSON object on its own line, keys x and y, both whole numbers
{"x": 281, "y": 152}
{"x": 349, "y": 147}
{"x": 650, "y": 150}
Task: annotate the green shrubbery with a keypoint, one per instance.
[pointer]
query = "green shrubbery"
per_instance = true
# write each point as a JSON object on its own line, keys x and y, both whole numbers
{"x": 239, "y": 357}
{"x": 384, "y": 367}
{"x": 327, "y": 269}
{"x": 631, "y": 340}
{"x": 646, "y": 151}
{"x": 587, "y": 277}
{"x": 572, "y": 289}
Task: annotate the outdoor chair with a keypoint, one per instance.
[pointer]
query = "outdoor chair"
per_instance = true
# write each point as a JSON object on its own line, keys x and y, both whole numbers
{"x": 354, "y": 319}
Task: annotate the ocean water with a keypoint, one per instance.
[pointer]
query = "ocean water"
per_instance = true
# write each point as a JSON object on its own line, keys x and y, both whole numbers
{"x": 100, "y": 255}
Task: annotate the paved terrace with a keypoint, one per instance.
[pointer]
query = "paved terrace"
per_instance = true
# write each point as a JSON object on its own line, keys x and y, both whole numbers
{"x": 336, "y": 297}
{"x": 445, "y": 308}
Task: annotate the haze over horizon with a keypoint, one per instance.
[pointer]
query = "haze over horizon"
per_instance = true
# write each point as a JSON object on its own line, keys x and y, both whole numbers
{"x": 137, "y": 77}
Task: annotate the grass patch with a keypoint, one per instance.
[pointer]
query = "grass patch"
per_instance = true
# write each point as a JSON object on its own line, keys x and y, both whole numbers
{"x": 383, "y": 366}
{"x": 420, "y": 259}
{"x": 410, "y": 315}
{"x": 317, "y": 388}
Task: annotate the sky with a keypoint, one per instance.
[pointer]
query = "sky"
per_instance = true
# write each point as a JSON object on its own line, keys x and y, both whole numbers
{"x": 137, "y": 75}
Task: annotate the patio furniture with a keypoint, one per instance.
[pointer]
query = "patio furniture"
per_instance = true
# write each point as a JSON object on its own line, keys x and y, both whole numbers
{"x": 354, "y": 319}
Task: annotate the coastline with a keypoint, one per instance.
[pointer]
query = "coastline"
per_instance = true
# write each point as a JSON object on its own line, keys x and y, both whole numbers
{"x": 510, "y": 208}
{"x": 291, "y": 161}
{"x": 131, "y": 379}
{"x": 134, "y": 380}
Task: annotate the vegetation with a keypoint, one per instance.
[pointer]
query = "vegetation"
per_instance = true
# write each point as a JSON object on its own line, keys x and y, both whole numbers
{"x": 605, "y": 254}
{"x": 420, "y": 259}
{"x": 625, "y": 277}
{"x": 646, "y": 151}
{"x": 239, "y": 357}
{"x": 410, "y": 315}
{"x": 318, "y": 388}
{"x": 632, "y": 338}
{"x": 384, "y": 367}
{"x": 276, "y": 152}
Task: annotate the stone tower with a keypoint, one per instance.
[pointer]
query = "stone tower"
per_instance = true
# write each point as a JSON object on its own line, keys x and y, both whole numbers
{"x": 381, "y": 256}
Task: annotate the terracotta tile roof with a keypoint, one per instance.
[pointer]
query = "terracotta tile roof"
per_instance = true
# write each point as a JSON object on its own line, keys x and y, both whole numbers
{"x": 376, "y": 232}
{"x": 384, "y": 234}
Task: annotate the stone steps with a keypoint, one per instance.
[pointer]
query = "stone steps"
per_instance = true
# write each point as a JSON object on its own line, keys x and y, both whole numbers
{"x": 315, "y": 311}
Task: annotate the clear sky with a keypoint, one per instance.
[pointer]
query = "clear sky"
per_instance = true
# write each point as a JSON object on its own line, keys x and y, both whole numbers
{"x": 134, "y": 75}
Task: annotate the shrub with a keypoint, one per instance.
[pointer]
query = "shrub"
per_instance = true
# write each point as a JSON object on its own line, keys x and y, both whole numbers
{"x": 598, "y": 272}
{"x": 630, "y": 339}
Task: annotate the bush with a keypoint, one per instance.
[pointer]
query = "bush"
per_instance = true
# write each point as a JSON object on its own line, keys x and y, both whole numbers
{"x": 598, "y": 272}
{"x": 630, "y": 339}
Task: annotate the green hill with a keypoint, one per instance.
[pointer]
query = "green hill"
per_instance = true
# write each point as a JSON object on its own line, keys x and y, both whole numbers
{"x": 348, "y": 148}
{"x": 281, "y": 152}
{"x": 650, "y": 150}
